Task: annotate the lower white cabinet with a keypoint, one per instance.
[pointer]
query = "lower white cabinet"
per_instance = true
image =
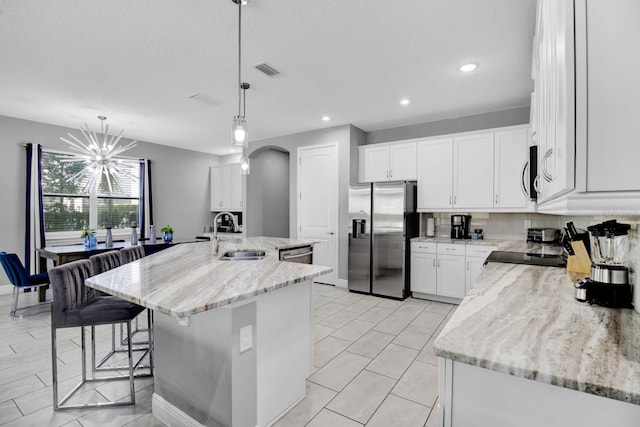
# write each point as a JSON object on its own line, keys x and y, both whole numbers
{"x": 445, "y": 271}
{"x": 476, "y": 256}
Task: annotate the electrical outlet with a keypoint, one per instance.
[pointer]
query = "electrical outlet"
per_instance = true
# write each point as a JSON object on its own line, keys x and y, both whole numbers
{"x": 527, "y": 224}
{"x": 246, "y": 338}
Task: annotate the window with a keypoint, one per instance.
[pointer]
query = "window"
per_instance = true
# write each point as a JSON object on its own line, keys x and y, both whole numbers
{"x": 67, "y": 208}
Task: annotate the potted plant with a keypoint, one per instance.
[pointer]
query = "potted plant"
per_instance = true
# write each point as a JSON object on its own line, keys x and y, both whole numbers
{"x": 167, "y": 233}
{"x": 89, "y": 236}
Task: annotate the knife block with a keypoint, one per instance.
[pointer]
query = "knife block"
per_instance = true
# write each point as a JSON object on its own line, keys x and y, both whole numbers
{"x": 580, "y": 262}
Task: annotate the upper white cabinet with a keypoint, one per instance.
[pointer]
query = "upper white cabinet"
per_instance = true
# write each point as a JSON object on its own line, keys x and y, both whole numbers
{"x": 226, "y": 188}
{"x": 607, "y": 94}
{"x": 511, "y": 167}
{"x": 473, "y": 171}
{"x": 435, "y": 174}
{"x": 554, "y": 85}
{"x": 585, "y": 111}
{"x": 388, "y": 162}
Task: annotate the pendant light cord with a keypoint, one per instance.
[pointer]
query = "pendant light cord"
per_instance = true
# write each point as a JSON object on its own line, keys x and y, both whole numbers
{"x": 239, "y": 54}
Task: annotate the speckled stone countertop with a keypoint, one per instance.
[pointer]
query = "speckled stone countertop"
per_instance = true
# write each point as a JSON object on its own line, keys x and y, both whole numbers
{"x": 523, "y": 320}
{"x": 187, "y": 279}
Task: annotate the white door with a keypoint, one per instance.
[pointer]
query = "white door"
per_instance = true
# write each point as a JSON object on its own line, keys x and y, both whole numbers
{"x": 473, "y": 177}
{"x": 435, "y": 174}
{"x": 318, "y": 204}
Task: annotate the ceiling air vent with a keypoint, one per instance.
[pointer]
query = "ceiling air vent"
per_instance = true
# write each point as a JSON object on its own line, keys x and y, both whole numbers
{"x": 268, "y": 70}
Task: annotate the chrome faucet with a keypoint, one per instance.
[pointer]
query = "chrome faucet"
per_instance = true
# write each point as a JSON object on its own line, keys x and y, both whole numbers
{"x": 216, "y": 239}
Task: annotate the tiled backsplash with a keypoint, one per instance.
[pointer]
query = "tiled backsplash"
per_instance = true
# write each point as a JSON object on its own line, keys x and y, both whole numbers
{"x": 514, "y": 227}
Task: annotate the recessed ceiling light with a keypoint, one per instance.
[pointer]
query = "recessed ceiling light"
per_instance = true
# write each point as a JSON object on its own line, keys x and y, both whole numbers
{"x": 326, "y": 118}
{"x": 405, "y": 101}
{"x": 468, "y": 67}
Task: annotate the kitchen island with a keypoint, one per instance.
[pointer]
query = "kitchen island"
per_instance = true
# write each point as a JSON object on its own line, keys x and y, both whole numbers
{"x": 520, "y": 350}
{"x": 232, "y": 339}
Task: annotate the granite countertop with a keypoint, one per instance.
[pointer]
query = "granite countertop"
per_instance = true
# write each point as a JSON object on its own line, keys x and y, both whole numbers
{"x": 523, "y": 320}
{"x": 187, "y": 279}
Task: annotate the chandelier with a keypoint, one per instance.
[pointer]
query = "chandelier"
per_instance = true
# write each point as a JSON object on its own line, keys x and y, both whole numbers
{"x": 239, "y": 128}
{"x": 99, "y": 158}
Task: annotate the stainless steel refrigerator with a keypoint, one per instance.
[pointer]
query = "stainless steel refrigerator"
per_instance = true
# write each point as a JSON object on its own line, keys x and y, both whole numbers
{"x": 383, "y": 218}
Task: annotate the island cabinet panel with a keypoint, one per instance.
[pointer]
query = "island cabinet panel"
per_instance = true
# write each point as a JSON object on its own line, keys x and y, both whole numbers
{"x": 205, "y": 375}
{"x": 471, "y": 396}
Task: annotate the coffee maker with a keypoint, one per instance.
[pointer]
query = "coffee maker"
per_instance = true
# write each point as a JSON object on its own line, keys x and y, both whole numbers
{"x": 608, "y": 284}
{"x": 460, "y": 226}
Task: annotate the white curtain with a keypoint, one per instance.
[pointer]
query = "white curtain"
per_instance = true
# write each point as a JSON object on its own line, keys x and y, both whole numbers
{"x": 34, "y": 211}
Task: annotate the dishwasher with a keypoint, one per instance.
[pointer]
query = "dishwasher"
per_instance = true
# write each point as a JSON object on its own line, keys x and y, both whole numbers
{"x": 301, "y": 254}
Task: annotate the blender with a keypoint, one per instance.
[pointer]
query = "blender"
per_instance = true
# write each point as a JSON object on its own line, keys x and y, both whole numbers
{"x": 608, "y": 284}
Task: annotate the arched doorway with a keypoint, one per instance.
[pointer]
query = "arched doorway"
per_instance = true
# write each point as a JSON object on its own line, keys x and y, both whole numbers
{"x": 267, "y": 200}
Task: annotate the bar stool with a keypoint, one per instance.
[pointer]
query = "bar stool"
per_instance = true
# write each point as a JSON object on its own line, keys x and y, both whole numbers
{"x": 77, "y": 305}
{"x": 101, "y": 263}
{"x": 127, "y": 255}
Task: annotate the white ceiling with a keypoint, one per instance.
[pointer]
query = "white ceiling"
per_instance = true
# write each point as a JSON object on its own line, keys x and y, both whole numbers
{"x": 65, "y": 62}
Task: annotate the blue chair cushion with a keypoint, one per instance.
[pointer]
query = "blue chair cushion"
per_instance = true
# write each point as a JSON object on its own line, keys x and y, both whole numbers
{"x": 101, "y": 310}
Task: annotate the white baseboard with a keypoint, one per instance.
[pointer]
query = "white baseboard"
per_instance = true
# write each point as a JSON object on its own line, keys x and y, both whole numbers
{"x": 169, "y": 414}
{"x": 342, "y": 283}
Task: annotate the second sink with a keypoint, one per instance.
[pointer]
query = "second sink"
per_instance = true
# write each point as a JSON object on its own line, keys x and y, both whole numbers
{"x": 242, "y": 254}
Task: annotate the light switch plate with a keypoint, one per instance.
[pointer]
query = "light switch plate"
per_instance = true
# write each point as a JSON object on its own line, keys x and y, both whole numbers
{"x": 246, "y": 339}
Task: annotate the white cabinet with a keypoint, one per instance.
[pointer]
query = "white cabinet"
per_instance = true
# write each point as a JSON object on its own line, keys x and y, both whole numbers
{"x": 435, "y": 174}
{"x": 445, "y": 271}
{"x": 473, "y": 171}
{"x": 388, "y": 162}
{"x": 423, "y": 272}
{"x": 456, "y": 172}
{"x": 476, "y": 256}
{"x": 451, "y": 273}
{"x": 226, "y": 188}
{"x": 511, "y": 151}
{"x": 554, "y": 85}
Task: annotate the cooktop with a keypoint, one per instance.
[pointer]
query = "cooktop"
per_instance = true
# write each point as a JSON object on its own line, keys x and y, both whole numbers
{"x": 527, "y": 258}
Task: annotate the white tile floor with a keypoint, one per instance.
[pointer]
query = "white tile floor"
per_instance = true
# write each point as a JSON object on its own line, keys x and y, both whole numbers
{"x": 374, "y": 366}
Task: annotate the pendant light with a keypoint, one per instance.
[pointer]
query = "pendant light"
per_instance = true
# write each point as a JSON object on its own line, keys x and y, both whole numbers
{"x": 239, "y": 129}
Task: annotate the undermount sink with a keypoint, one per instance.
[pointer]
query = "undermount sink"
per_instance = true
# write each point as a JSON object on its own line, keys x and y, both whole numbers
{"x": 242, "y": 255}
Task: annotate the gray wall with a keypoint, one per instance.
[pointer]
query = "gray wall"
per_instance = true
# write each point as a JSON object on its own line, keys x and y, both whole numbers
{"x": 517, "y": 116}
{"x": 268, "y": 195}
{"x": 180, "y": 179}
{"x": 342, "y": 135}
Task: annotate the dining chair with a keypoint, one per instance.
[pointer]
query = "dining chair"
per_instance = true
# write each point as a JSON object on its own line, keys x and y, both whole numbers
{"x": 77, "y": 305}
{"x": 101, "y": 263}
{"x": 21, "y": 279}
